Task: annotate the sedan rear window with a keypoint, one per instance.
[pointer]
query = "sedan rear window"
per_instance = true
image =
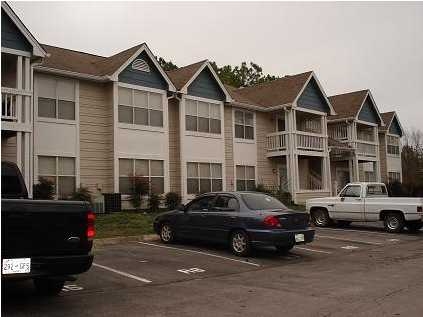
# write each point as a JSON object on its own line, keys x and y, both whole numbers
{"x": 256, "y": 201}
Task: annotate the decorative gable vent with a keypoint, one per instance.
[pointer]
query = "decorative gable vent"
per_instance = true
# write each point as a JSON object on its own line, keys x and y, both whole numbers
{"x": 141, "y": 65}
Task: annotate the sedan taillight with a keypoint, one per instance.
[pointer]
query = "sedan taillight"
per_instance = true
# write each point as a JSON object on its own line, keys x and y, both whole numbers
{"x": 90, "y": 225}
{"x": 272, "y": 222}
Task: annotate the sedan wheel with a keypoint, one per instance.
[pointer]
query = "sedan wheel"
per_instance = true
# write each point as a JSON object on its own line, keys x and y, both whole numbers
{"x": 166, "y": 233}
{"x": 240, "y": 243}
{"x": 394, "y": 223}
{"x": 321, "y": 218}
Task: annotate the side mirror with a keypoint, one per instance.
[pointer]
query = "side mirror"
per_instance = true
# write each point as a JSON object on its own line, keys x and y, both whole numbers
{"x": 180, "y": 207}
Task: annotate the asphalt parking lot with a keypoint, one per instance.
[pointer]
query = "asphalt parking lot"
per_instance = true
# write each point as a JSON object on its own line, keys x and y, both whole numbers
{"x": 344, "y": 271}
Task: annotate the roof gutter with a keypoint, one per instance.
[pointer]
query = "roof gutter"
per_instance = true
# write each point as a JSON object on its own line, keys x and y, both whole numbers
{"x": 258, "y": 108}
{"x": 61, "y": 72}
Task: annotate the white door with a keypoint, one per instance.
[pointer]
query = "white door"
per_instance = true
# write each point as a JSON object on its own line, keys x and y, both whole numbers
{"x": 349, "y": 205}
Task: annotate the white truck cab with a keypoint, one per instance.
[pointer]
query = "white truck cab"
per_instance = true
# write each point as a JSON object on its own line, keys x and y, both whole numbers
{"x": 366, "y": 202}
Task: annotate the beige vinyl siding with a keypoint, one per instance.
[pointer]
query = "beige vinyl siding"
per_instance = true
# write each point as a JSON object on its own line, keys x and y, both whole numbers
{"x": 265, "y": 166}
{"x": 383, "y": 158}
{"x": 8, "y": 148}
{"x": 96, "y": 136}
{"x": 174, "y": 147}
{"x": 229, "y": 149}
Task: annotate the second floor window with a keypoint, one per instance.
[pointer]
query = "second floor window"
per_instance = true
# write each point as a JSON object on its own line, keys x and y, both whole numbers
{"x": 140, "y": 107}
{"x": 202, "y": 117}
{"x": 394, "y": 177}
{"x": 56, "y": 98}
{"x": 61, "y": 172}
{"x": 244, "y": 125}
{"x": 392, "y": 145}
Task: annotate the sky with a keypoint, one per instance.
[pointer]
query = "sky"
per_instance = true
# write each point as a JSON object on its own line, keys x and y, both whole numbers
{"x": 350, "y": 46}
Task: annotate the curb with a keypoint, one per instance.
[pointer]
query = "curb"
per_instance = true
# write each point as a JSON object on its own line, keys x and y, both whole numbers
{"x": 123, "y": 239}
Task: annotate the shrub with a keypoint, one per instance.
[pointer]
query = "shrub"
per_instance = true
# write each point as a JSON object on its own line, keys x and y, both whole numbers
{"x": 283, "y": 196}
{"x": 140, "y": 188}
{"x": 172, "y": 200}
{"x": 82, "y": 194}
{"x": 154, "y": 202}
{"x": 262, "y": 189}
{"x": 44, "y": 189}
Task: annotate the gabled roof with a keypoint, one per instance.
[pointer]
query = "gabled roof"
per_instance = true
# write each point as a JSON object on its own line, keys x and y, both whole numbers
{"x": 37, "y": 49}
{"x": 388, "y": 118}
{"x": 99, "y": 67}
{"x": 184, "y": 76}
{"x": 348, "y": 105}
{"x": 277, "y": 92}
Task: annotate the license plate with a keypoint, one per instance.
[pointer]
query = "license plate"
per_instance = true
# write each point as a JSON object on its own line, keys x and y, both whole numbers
{"x": 16, "y": 266}
{"x": 299, "y": 237}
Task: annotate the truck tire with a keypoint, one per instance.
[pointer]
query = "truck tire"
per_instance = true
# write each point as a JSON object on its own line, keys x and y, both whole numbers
{"x": 46, "y": 286}
{"x": 414, "y": 226}
{"x": 394, "y": 222}
{"x": 320, "y": 217}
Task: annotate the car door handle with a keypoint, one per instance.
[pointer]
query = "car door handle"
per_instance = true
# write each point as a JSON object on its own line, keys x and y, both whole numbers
{"x": 232, "y": 217}
{"x": 331, "y": 205}
{"x": 203, "y": 215}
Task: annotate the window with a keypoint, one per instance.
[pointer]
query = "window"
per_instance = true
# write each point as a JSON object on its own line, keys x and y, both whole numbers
{"x": 257, "y": 201}
{"x": 392, "y": 145}
{"x": 226, "y": 202}
{"x": 244, "y": 125}
{"x": 203, "y": 177}
{"x": 394, "y": 177}
{"x": 351, "y": 191}
{"x": 60, "y": 171}
{"x": 201, "y": 204}
{"x": 151, "y": 170}
{"x": 140, "y": 107}
{"x": 202, "y": 117}
{"x": 376, "y": 190}
{"x": 56, "y": 98}
{"x": 245, "y": 178}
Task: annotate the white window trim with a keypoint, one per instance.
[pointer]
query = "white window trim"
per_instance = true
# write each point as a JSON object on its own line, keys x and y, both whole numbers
{"x": 58, "y": 120}
{"x": 211, "y": 178}
{"x": 220, "y": 135}
{"x": 244, "y": 178}
{"x": 242, "y": 140}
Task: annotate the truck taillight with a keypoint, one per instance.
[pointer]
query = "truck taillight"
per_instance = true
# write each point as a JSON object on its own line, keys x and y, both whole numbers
{"x": 419, "y": 209}
{"x": 90, "y": 225}
{"x": 272, "y": 222}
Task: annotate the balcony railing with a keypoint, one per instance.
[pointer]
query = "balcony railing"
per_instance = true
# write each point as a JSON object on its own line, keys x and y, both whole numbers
{"x": 338, "y": 132}
{"x": 366, "y": 148}
{"x": 305, "y": 141}
{"x": 276, "y": 141}
{"x": 9, "y": 106}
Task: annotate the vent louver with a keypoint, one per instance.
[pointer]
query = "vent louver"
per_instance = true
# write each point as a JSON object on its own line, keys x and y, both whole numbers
{"x": 141, "y": 65}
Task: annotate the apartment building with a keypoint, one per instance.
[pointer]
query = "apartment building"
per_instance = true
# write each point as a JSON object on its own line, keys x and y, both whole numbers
{"x": 85, "y": 120}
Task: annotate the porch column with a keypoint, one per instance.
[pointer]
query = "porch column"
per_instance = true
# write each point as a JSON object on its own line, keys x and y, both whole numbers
{"x": 292, "y": 163}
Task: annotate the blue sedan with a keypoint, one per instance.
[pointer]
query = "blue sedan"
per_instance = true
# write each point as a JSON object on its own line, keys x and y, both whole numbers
{"x": 241, "y": 219}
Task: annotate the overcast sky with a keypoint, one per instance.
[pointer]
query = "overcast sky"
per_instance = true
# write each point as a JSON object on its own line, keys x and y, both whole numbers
{"x": 350, "y": 46}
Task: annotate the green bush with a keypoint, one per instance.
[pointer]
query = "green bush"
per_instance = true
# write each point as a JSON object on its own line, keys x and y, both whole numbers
{"x": 82, "y": 194}
{"x": 172, "y": 200}
{"x": 139, "y": 189}
{"x": 154, "y": 202}
{"x": 44, "y": 189}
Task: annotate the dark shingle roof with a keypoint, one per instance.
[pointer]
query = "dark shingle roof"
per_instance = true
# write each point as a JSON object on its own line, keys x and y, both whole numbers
{"x": 182, "y": 75}
{"x": 387, "y": 118}
{"x": 347, "y": 105}
{"x": 274, "y": 93}
{"x": 84, "y": 63}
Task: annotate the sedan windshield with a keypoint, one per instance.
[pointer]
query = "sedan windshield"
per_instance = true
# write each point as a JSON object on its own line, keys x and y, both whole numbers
{"x": 257, "y": 201}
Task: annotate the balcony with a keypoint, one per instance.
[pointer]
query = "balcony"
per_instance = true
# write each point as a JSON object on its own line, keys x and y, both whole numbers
{"x": 15, "y": 109}
{"x": 366, "y": 148}
{"x": 279, "y": 142}
{"x": 309, "y": 142}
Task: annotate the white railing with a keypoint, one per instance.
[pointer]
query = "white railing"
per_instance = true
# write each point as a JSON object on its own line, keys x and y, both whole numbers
{"x": 306, "y": 141}
{"x": 366, "y": 148}
{"x": 338, "y": 132}
{"x": 365, "y": 136}
{"x": 313, "y": 182}
{"x": 9, "y": 106}
{"x": 276, "y": 141}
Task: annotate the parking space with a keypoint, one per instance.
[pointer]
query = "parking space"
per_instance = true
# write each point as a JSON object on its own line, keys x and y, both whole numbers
{"x": 129, "y": 266}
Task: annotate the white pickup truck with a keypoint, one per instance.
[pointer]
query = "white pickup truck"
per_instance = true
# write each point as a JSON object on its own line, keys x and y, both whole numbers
{"x": 363, "y": 202}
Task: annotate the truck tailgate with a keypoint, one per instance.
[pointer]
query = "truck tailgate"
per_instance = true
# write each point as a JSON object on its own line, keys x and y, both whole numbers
{"x": 36, "y": 228}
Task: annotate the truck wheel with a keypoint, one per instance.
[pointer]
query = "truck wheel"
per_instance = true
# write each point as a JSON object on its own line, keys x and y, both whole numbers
{"x": 414, "y": 226}
{"x": 394, "y": 222}
{"x": 284, "y": 249}
{"x": 46, "y": 286}
{"x": 240, "y": 243}
{"x": 167, "y": 234}
{"x": 320, "y": 218}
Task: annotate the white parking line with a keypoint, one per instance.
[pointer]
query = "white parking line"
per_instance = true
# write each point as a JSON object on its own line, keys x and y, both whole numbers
{"x": 355, "y": 230}
{"x": 134, "y": 277}
{"x": 349, "y": 240}
{"x": 199, "y": 252}
{"x": 313, "y": 250}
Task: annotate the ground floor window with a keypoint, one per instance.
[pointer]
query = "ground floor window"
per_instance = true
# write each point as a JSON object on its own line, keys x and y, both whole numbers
{"x": 151, "y": 170}
{"x": 61, "y": 172}
{"x": 203, "y": 177}
{"x": 245, "y": 177}
{"x": 394, "y": 176}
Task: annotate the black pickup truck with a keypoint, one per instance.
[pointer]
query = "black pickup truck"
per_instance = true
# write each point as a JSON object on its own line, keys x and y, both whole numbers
{"x": 47, "y": 241}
